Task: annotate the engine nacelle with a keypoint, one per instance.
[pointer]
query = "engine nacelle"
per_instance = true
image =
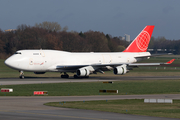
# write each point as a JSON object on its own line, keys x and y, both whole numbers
{"x": 120, "y": 70}
{"x": 83, "y": 72}
{"x": 39, "y": 72}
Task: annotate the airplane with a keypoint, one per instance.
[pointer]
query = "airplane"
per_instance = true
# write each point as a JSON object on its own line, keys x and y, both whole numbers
{"x": 84, "y": 63}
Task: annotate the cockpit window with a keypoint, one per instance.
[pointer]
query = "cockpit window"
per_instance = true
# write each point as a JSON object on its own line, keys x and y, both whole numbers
{"x": 17, "y": 52}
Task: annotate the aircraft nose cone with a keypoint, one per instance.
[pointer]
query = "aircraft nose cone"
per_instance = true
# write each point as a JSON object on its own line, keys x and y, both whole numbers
{"x": 10, "y": 63}
{"x": 7, "y": 62}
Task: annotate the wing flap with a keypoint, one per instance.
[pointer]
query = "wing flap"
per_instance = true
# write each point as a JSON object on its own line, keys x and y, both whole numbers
{"x": 150, "y": 64}
{"x": 144, "y": 64}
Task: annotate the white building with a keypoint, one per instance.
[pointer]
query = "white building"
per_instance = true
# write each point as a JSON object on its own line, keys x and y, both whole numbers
{"x": 127, "y": 37}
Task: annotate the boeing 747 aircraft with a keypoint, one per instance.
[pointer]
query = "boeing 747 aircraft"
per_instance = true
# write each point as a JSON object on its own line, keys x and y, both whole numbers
{"x": 83, "y": 64}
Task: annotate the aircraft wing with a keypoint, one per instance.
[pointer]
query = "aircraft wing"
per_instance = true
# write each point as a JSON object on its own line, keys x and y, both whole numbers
{"x": 134, "y": 64}
{"x": 70, "y": 67}
{"x": 150, "y": 64}
{"x": 99, "y": 65}
{"x": 75, "y": 67}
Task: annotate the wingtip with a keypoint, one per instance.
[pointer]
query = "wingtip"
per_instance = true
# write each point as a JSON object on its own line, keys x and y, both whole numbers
{"x": 171, "y": 61}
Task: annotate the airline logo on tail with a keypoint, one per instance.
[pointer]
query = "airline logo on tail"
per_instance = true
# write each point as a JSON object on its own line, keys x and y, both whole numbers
{"x": 141, "y": 42}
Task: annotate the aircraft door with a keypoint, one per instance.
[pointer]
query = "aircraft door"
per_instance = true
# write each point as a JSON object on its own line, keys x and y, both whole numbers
{"x": 42, "y": 53}
{"x": 106, "y": 59}
{"x": 42, "y": 60}
{"x": 30, "y": 61}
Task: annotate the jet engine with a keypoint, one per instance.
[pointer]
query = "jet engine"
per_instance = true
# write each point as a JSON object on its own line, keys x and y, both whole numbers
{"x": 83, "y": 72}
{"x": 120, "y": 70}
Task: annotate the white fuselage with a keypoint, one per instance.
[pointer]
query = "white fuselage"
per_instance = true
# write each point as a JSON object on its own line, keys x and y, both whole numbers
{"x": 48, "y": 60}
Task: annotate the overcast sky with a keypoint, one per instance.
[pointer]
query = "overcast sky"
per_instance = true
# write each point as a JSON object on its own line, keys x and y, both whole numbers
{"x": 115, "y": 17}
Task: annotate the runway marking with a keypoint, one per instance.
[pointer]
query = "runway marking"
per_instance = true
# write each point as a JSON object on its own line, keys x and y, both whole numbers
{"x": 53, "y": 115}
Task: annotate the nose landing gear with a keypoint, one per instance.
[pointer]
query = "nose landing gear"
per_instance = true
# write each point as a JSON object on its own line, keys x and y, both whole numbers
{"x": 21, "y": 76}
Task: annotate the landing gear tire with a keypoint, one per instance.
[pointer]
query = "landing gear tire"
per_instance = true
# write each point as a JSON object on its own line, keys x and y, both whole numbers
{"x": 21, "y": 76}
{"x": 65, "y": 76}
{"x": 75, "y": 76}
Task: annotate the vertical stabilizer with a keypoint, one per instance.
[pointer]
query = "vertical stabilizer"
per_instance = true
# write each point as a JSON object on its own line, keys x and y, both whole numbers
{"x": 141, "y": 42}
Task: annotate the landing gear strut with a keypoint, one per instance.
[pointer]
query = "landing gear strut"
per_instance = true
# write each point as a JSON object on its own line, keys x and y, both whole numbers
{"x": 21, "y": 76}
{"x": 65, "y": 75}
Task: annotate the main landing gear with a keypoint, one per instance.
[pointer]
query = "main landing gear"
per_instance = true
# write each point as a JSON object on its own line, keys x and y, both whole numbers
{"x": 65, "y": 75}
{"x": 76, "y": 77}
{"x": 21, "y": 76}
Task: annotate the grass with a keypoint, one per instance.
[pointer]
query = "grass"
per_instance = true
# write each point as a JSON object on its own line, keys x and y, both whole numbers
{"x": 130, "y": 87}
{"x": 134, "y": 106}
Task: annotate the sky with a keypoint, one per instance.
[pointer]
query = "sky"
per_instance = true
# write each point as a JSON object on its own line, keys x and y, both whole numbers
{"x": 114, "y": 17}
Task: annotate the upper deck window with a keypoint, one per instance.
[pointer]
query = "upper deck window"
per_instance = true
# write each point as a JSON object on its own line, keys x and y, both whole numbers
{"x": 35, "y": 53}
{"x": 17, "y": 52}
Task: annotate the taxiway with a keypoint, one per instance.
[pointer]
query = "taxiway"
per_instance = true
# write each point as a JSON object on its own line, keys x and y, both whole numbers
{"x": 39, "y": 80}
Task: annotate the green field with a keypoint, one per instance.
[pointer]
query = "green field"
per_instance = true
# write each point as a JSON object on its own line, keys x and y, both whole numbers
{"x": 134, "y": 106}
{"x": 130, "y": 87}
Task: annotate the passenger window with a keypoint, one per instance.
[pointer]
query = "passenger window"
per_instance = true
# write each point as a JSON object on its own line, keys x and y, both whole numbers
{"x": 35, "y": 53}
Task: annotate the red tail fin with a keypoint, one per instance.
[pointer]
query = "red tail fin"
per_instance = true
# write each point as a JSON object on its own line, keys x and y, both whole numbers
{"x": 141, "y": 42}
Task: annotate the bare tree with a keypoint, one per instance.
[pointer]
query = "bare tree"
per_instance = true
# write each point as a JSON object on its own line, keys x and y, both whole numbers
{"x": 65, "y": 28}
{"x": 22, "y": 27}
{"x": 50, "y": 26}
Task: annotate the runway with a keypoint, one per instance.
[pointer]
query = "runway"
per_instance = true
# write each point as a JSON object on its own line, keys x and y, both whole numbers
{"x": 22, "y": 107}
{"x": 39, "y": 80}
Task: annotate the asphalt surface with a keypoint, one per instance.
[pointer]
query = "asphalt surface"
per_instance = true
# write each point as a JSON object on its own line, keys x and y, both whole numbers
{"x": 32, "y": 108}
{"x": 18, "y": 108}
{"x": 36, "y": 80}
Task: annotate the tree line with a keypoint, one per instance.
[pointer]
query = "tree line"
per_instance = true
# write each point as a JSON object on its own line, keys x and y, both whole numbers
{"x": 164, "y": 45}
{"x": 50, "y": 35}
